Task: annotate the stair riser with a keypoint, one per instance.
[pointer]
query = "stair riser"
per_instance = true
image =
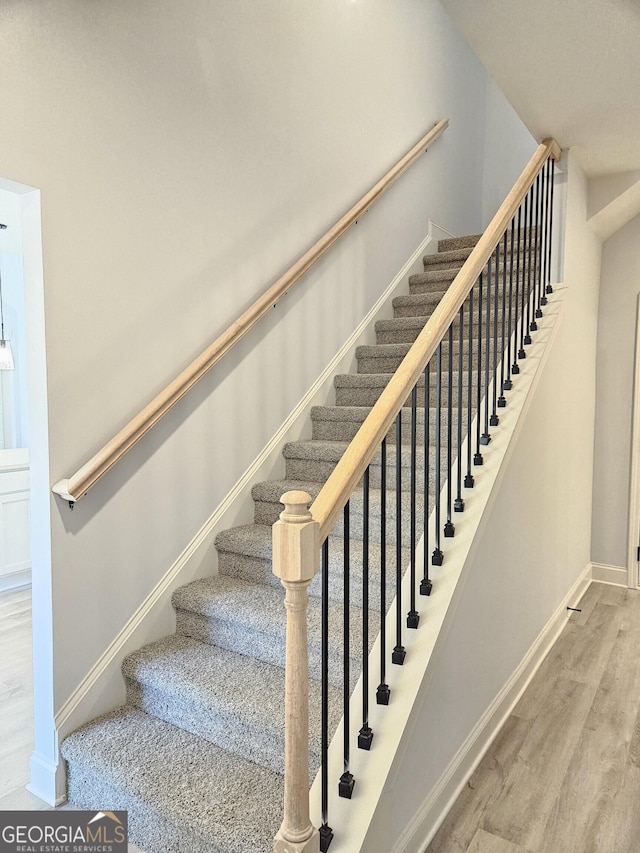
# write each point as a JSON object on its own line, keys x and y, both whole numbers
{"x": 147, "y": 829}
{"x": 226, "y": 732}
{"x": 268, "y": 511}
{"x": 404, "y": 330}
{"x": 389, "y": 364}
{"x": 319, "y": 471}
{"x": 260, "y": 571}
{"x": 367, "y": 395}
{"x": 468, "y": 242}
{"x": 269, "y": 648}
{"x": 423, "y": 305}
{"x": 457, "y": 257}
{"x": 419, "y": 285}
{"x": 337, "y": 430}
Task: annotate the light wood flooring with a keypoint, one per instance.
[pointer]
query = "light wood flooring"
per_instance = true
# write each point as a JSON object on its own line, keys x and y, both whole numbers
{"x": 16, "y": 703}
{"x": 563, "y": 776}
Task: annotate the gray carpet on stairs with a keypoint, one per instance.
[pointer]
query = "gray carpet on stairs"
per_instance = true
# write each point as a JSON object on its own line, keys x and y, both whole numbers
{"x": 196, "y": 753}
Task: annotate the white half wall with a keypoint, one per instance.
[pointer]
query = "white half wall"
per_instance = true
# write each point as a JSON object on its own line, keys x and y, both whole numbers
{"x": 533, "y": 551}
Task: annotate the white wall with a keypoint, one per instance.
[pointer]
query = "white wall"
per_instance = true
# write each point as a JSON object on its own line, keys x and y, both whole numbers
{"x": 619, "y": 290}
{"x": 533, "y": 549}
{"x": 186, "y": 154}
{"x": 504, "y": 151}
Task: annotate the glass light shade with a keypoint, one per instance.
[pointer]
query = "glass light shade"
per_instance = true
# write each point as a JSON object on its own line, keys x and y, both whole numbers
{"x": 6, "y": 356}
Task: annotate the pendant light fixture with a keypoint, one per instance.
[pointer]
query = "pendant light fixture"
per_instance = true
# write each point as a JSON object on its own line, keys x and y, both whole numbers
{"x": 6, "y": 356}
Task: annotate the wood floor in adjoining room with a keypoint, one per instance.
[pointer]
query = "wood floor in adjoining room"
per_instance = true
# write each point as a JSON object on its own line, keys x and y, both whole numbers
{"x": 563, "y": 775}
{"x": 16, "y": 703}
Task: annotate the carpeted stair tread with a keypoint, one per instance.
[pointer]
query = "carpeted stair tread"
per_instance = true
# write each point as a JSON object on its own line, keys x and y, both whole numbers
{"x": 245, "y": 552}
{"x": 451, "y": 258}
{"x": 386, "y": 358}
{"x": 328, "y": 423}
{"x": 219, "y": 695}
{"x": 268, "y": 509}
{"x": 273, "y": 490}
{"x": 447, "y": 259}
{"x": 421, "y": 283}
{"x": 437, "y": 280}
{"x": 250, "y": 619}
{"x": 318, "y": 459}
{"x": 451, "y": 243}
{"x": 383, "y": 350}
{"x": 423, "y": 304}
{"x": 397, "y": 330}
{"x": 415, "y": 305}
{"x": 363, "y": 389}
{"x": 332, "y": 451}
{"x": 266, "y": 491}
{"x": 254, "y": 540}
{"x": 182, "y": 793}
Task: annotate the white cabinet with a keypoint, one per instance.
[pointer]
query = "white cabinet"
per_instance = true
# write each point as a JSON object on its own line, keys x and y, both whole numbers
{"x": 15, "y": 564}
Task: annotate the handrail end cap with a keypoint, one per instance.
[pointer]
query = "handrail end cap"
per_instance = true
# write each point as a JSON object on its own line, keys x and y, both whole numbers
{"x": 61, "y": 488}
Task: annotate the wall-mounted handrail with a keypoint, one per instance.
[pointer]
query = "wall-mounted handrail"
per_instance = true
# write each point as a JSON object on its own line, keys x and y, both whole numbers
{"x": 78, "y": 484}
{"x": 351, "y": 467}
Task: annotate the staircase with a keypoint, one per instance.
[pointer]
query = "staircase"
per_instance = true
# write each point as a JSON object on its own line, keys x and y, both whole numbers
{"x": 196, "y": 753}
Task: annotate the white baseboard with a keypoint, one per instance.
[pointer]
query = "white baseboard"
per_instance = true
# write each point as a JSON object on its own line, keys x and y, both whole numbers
{"x": 615, "y": 575}
{"x": 419, "y": 833}
{"x": 47, "y": 780}
{"x": 102, "y": 688}
{"x": 15, "y": 579}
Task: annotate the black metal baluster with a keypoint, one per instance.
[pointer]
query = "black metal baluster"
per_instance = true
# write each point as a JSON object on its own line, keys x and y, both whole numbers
{"x": 538, "y": 277}
{"x": 527, "y": 242}
{"x": 507, "y": 384}
{"x": 468, "y": 477}
{"x": 347, "y": 781}
{"x": 533, "y": 250}
{"x": 553, "y": 180}
{"x": 365, "y": 735}
{"x": 458, "y": 504}
{"x": 425, "y": 584}
{"x": 399, "y": 653}
{"x": 504, "y": 351}
{"x": 326, "y": 833}
{"x": 496, "y": 292}
{"x": 545, "y": 236}
{"x": 521, "y": 267}
{"x": 477, "y": 458}
{"x": 449, "y": 528}
{"x": 485, "y": 438}
{"x": 413, "y": 617}
{"x": 383, "y": 692}
{"x": 437, "y": 558}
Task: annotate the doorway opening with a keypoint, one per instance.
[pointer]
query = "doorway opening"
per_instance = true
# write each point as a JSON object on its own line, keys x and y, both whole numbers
{"x": 24, "y": 442}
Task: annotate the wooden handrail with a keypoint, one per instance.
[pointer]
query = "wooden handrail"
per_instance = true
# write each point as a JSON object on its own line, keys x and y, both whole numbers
{"x": 78, "y": 484}
{"x": 350, "y": 469}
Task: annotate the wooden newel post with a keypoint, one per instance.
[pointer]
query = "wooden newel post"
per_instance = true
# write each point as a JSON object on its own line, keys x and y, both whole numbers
{"x": 295, "y": 562}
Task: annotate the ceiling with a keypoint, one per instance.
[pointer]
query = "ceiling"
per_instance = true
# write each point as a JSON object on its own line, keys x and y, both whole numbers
{"x": 570, "y": 68}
